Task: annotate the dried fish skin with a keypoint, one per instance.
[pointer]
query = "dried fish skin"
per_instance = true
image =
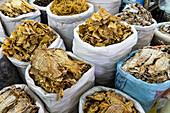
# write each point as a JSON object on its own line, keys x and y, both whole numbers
{"x": 15, "y": 8}
{"x": 26, "y": 38}
{"x": 54, "y": 71}
{"x": 150, "y": 64}
{"x": 68, "y": 7}
{"x": 103, "y": 29}
{"x": 109, "y": 103}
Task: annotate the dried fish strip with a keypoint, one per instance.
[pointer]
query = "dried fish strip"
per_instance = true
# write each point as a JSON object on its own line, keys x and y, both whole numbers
{"x": 43, "y": 3}
{"x": 165, "y": 28}
{"x": 15, "y": 100}
{"x": 68, "y": 7}
{"x": 54, "y": 71}
{"x": 15, "y": 8}
{"x": 108, "y": 102}
{"x": 150, "y": 64}
{"x": 136, "y": 15}
{"x": 103, "y": 29}
{"x": 26, "y": 38}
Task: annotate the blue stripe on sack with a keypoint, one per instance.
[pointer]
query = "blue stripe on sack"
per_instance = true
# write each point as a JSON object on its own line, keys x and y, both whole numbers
{"x": 30, "y": 18}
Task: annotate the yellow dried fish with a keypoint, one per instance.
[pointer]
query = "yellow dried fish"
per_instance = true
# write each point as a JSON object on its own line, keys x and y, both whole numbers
{"x": 104, "y": 29}
{"x": 15, "y": 8}
{"x": 54, "y": 71}
{"x": 26, "y": 38}
{"x": 69, "y": 7}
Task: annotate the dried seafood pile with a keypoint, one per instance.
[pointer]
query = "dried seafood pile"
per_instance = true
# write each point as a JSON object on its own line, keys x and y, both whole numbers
{"x": 54, "y": 71}
{"x": 68, "y": 7}
{"x": 103, "y": 29}
{"x": 43, "y": 3}
{"x": 150, "y": 64}
{"x": 15, "y": 8}
{"x": 165, "y": 28}
{"x": 15, "y": 100}
{"x": 26, "y": 38}
{"x": 108, "y": 102}
{"x": 136, "y": 15}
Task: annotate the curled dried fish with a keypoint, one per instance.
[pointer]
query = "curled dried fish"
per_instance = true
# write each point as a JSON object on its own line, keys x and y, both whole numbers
{"x": 165, "y": 28}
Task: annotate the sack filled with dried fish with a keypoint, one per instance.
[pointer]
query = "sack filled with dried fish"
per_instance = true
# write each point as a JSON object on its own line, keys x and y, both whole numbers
{"x": 135, "y": 14}
{"x": 146, "y": 72}
{"x": 25, "y": 39}
{"x": 104, "y": 41}
{"x": 101, "y": 99}
{"x": 19, "y": 98}
{"x": 59, "y": 78}
{"x": 112, "y": 6}
{"x": 65, "y": 17}
{"x": 162, "y": 34}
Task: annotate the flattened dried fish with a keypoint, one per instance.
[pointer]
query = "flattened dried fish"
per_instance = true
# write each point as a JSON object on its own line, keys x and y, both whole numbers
{"x": 54, "y": 71}
{"x": 26, "y": 38}
{"x": 104, "y": 29}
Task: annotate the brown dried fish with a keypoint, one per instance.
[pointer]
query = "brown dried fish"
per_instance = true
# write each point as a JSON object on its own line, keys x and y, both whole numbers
{"x": 15, "y": 8}
{"x": 68, "y": 7}
{"x": 54, "y": 71}
{"x": 104, "y": 29}
{"x": 165, "y": 28}
{"x": 26, "y": 38}
{"x": 136, "y": 15}
{"x": 150, "y": 64}
{"x": 108, "y": 102}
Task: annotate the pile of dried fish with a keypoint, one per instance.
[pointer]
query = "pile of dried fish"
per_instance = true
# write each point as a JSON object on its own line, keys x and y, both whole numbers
{"x": 15, "y": 100}
{"x": 54, "y": 71}
{"x": 103, "y": 29}
{"x": 68, "y": 7}
{"x": 26, "y": 38}
{"x": 43, "y": 3}
{"x": 136, "y": 15}
{"x": 15, "y": 8}
{"x": 108, "y": 102}
{"x": 150, "y": 64}
{"x": 165, "y": 28}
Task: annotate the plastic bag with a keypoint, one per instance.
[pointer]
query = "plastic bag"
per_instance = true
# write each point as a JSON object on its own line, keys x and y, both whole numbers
{"x": 146, "y": 94}
{"x": 31, "y": 94}
{"x": 101, "y": 88}
{"x": 11, "y": 23}
{"x": 65, "y": 25}
{"x": 71, "y": 95}
{"x": 104, "y": 58}
{"x": 21, "y": 65}
{"x": 164, "y": 5}
{"x": 112, "y": 6}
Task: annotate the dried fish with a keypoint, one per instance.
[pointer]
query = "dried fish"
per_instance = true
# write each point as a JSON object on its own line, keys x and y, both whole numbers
{"x": 150, "y": 64}
{"x": 103, "y": 29}
{"x": 54, "y": 71}
{"x": 26, "y": 38}
{"x": 69, "y": 7}
{"x": 15, "y": 100}
{"x": 165, "y": 28}
{"x": 136, "y": 15}
{"x": 43, "y": 3}
{"x": 108, "y": 102}
{"x": 15, "y": 8}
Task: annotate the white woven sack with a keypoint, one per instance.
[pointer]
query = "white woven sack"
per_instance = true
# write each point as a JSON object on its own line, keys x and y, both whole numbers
{"x": 112, "y": 6}
{"x": 71, "y": 95}
{"x": 21, "y": 65}
{"x": 101, "y": 88}
{"x": 104, "y": 58}
{"x": 31, "y": 94}
{"x": 65, "y": 25}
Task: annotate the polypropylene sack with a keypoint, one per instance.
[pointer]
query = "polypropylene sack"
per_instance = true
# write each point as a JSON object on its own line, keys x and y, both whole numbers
{"x": 65, "y": 25}
{"x": 21, "y": 65}
{"x": 112, "y": 6}
{"x": 101, "y": 88}
{"x": 10, "y": 23}
{"x": 42, "y": 10}
{"x": 71, "y": 96}
{"x": 104, "y": 58}
{"x": 146, "y": 94}
{"x": 31, "y": 94}
{"x": 160, "y": 38}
